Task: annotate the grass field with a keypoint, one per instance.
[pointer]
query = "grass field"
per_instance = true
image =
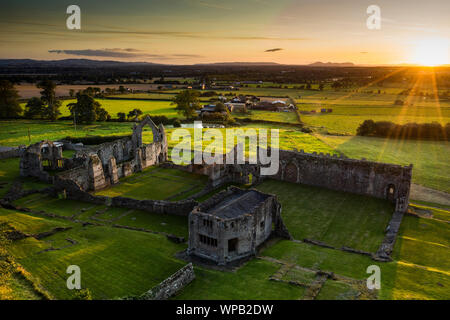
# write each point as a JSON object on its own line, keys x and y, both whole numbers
{"x": 429, "y": 158}
{"x": 336, "y": 218}
{"x": 150, "y": 107}
{"x": 158, "y": 184}
{"x": 286, "y": 117}
{"x": 111, "y": 262}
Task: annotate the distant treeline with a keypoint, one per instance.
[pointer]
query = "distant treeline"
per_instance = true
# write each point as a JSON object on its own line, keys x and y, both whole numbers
{"x": 418, "y": 131}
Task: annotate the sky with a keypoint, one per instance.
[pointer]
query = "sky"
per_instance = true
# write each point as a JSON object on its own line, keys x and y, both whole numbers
{"x": 207, "y": 31}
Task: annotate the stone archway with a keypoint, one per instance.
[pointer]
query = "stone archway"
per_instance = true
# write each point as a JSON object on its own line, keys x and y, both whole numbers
{"x": 291, "y": 172}
{"x": 390, "y": 192}
{"x": 137, "y": 132}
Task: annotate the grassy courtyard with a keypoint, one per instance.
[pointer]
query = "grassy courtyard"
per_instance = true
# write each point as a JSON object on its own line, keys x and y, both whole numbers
{"x": 336, "y": 218}
{"x": 158, "y": 184}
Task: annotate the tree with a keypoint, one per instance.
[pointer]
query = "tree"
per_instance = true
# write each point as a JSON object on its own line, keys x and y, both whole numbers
{"x": 134, "y": 113}
{"x": 121, "y": 116}
{"x": 187, "y": 102}
{"x": 35, "y": 108}
{"x": 9, "y": 104}
{"x": 367, "y": 128}
{"x": 48, "y": 97}
{"x": 122, "y": 89}
{"x": 87, "y": 110}
{"x": 220, "y": 107}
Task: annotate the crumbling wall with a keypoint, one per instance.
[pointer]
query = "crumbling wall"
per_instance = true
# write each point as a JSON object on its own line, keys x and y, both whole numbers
{"x": 181, "y": 208}
{"x": 172, "y": 285}
{"x": 375, "y": 179}
{"x": 379, "y": 180}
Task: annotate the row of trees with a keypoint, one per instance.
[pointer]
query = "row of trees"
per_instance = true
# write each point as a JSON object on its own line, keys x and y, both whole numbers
{"x": 45, "y": 107}
{"x": 426, "y": 131}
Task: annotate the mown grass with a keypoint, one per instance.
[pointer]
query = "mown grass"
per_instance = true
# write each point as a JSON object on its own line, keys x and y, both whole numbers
{"x": 249, "y": 282}
{"x": 155, "y": 183}
{"x": 336, "y": 290}
{"x": 398, "y": 280}
{"x": 429, "y": 158}
{"x": 112, "y": 262}
{"x": 10, "y": 172}
{"x": 62, "y": 207}
{"x": 336, "y": 218}
{"x": 424, "y": 242}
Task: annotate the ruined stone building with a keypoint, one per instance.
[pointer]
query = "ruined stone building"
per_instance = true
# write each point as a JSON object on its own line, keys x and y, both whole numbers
{"x": 233, "y": 223}
{"x": 40, "y": 158}
{"x": 95, "y": 168}
{"x": 375, "y": 179}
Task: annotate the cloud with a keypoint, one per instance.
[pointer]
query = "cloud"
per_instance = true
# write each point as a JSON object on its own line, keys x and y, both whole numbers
{"x": 364, "y": 52}
{"x": 273, "y": 50}
{"x": 123, "y": 54}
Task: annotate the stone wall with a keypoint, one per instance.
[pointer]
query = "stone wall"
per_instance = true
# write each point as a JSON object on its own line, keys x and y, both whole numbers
{"x": 10, "y": 152}
{"x": 375, "y": 179}
{"x": 181, "y": 208}
{"x": 172, "y": 285}
{"x": 379, "y": 180}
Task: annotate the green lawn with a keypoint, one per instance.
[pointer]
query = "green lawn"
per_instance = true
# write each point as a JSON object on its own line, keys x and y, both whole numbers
{"x": 9, "y": 172}
{"x": 336, "y": 218}
{"x": 249, "y": 282}
{"x": 430, "y": 158}
{"x": 156, "y": 183}
{"x": 112, "y": 262}
{"x": 398, "y": 279}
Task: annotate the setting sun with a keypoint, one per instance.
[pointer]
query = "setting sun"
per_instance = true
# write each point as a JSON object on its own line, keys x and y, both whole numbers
{"x": 431, "y": 52}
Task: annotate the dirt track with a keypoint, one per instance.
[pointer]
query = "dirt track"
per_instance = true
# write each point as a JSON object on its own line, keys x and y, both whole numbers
{"x": 429, "y": 195}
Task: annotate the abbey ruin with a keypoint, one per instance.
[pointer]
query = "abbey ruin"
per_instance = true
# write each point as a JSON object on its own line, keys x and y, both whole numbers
{"x": 231, "y": 224}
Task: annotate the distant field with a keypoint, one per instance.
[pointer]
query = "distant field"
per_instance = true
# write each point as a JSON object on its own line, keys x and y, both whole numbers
{"x": 430, "y": 158}
{"x": 287, "y": 117}
{"x": 336, "y": 218}
{"x": 150, "y": 107}
{"x": 350, "y": 109}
